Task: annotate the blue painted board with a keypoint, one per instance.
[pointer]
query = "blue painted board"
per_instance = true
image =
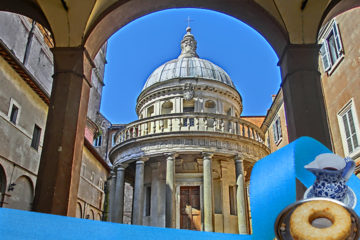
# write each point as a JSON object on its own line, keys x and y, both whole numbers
{"x": 272, "y": 188}
{"x": 24, "y": 225}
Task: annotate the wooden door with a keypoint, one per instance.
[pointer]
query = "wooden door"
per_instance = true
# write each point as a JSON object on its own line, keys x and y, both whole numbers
{"x": 190, "y": 214}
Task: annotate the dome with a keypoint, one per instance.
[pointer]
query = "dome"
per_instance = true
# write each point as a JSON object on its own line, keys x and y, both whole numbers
{"x": 188, "y": 65}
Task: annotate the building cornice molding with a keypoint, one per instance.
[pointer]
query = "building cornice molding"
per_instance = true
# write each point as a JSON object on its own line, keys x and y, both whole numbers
{"x": 273, "y": 110}
{"x": 18, "y": 67}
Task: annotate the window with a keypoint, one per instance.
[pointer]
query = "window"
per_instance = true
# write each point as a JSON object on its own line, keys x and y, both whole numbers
{"x": 83, "y": 167}
{"x": 277, "y": 130}
{"x": 188, "y": 108}
{"x": 97, "y": 141}
{"x": 232, "y": 200}
{"x": 36, "y": 137}
{"x": 113, "y": 139}
{"x": 348, "y": 123}
{"x": 14, "y": 114}
{"x": 148, "y": 201}
{"x": 331, "y": 49}
{"x": 101, "y": 184}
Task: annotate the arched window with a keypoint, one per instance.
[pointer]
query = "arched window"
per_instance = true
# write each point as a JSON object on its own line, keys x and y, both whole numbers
{"x": 166, "y": 108}
{"x": 210, "y": 106}
{"x": 22, "y": 194}
{"x": 150, "y": 111}
{"x": 91, "y": 215}
{"x": 188, "y": 107}
{"x": 78, "y": 210}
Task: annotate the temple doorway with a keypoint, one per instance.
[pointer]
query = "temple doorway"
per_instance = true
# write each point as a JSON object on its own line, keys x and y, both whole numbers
{"x": 190, "y": 212}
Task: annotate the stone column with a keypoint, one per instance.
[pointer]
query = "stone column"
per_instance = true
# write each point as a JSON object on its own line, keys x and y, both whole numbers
{"x": 240, "y": 195}
{"x": 208, "y": 198}
{"x": 303, "y": 96}
{"x": 59, "y": 171}
{"x": 138, "y": 205}
{"x": 112, "y": 189}
{"x": 170, "y": 190}
{"x": 118, "y": 207}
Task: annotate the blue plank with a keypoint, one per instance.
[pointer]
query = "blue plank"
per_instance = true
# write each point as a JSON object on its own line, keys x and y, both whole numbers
{"x": 21, "y": 225}
{"x": 272, "y": 188}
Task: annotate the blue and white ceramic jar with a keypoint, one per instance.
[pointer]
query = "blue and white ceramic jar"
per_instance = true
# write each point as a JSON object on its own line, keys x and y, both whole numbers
{"x": 332, "y": 172}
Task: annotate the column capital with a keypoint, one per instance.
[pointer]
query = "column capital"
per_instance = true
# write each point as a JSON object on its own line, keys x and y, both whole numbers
{"x": 172, "y": 155}
{"x": 207, "y": 155}
{"x": 239, "y": 158}
{"x": 121, "y": 166}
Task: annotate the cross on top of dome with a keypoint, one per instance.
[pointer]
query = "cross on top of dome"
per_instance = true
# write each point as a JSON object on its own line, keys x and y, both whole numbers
{"x": 188, "y": 45}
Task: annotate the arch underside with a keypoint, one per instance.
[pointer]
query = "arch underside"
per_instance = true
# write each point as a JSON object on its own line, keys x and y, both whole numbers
{"x": 102, "y": 19}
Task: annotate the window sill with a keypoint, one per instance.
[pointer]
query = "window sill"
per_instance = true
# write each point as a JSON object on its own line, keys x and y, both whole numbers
{"x": 278, "y": 142}
{"x": 355, "y": 154}
{"x": 335, "y": 65}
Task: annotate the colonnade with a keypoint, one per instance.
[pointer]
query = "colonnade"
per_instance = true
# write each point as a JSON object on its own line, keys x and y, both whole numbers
{"x": 116, "y": 196}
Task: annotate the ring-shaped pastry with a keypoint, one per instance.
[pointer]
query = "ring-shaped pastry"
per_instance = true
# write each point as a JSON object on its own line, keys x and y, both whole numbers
{"x": 301, "y": 219}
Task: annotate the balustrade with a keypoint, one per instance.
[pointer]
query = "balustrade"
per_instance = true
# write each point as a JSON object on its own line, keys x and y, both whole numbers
{"x": 190, "y": 122}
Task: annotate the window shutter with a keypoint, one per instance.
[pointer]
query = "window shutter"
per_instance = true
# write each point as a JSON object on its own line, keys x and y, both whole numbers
{"x": 279, "y": 128}
{"x": 338, "y": 43}
{"x": 275, "y": 132}
{"x": 324, "y": 52}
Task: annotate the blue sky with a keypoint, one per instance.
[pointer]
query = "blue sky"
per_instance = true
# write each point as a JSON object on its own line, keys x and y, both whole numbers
{"x": 137, "y": 49}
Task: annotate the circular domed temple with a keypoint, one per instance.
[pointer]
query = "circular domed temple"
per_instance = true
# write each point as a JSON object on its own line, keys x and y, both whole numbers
{"x": 189, "y": 156}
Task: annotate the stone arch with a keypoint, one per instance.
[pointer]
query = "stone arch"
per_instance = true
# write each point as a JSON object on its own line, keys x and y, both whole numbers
{"x": 98, "y": 217}
{"x": 27, "y": 8}
{"x": 337, "y": 7}
{"x": 22, "y": 195}
{"x": 91, "y": 214}
{"x": 2, "y": 185}
{"x": 167, "y": 107}
{"x": 78, "y": 210}
{"x": 249, "y": 12}
{"x": 210, "y": 106}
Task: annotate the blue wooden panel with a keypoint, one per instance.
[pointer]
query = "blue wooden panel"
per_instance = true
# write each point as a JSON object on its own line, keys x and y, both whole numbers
{"x": 23, "y": 225}
{"x": 272, "y": 188}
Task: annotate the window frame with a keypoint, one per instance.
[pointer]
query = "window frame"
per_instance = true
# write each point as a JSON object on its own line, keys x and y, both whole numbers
{"x": 325, "y": 53}
{"x": 35, "y": 140}
{"x": 13, "y": 104}
{"x": 277, "y": 130}
{"x": 97, "y": 142}
{"x": 350, "y": 105}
